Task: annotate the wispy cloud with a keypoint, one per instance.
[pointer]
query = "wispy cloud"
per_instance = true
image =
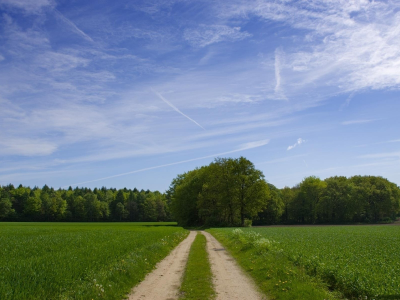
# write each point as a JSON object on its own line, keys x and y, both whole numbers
{"x": 32, "y": 7}
{"x": 352, "y": 122}
{"x": 348, "y": 100}
{"x": 335, "y": 52}
{"x": 176, "y": 109}
{"x": 298, "y": 143}
{"x": 283, "y": 159}
{"x": 75, "y": 81}
{"x": 205, "y": 35}
{"x": 305, "y": 163}
{"x": 278, "y": 89}
{"x": 26, "y": 146}
{"x": 382, "y": 155}
{"x": 247, "y": 146}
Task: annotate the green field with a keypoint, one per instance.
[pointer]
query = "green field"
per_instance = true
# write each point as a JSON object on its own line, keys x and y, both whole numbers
{"x": 355, "y": 260}
{"x": 80, "y": 260}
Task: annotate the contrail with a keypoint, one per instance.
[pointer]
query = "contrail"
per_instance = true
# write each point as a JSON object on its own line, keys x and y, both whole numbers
{"x": 70, "y": 23}
{"x": 176, "y": 109}
{"x": 277, "y": 71}
{"x": 278, "y": 89}
{"x": 245, "y": 147}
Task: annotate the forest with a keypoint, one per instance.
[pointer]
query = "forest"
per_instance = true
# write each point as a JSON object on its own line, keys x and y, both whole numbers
{"x": 82, "y": 204}
{"x": 227, "y": 192}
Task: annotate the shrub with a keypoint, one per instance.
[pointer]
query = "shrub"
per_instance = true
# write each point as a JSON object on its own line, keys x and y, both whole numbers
{"x": 247, "y": 223}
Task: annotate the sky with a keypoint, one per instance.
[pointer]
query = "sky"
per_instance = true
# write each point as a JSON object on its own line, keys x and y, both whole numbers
{"x": 132, "y": 93}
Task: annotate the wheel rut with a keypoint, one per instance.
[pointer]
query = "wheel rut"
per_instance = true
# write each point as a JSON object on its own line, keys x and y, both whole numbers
{"x": 230, "y": 282}
{"x": 164, "y": 282}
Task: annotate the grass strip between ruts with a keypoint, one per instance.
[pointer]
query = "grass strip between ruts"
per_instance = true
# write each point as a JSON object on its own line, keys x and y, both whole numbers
{"x": 275, "y": 275}
{"x": 197, "y": 280}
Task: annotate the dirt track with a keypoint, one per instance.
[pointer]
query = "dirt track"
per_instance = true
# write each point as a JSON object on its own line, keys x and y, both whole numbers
{"x": 164, "y": 282}
{"x": 230, "y": 282}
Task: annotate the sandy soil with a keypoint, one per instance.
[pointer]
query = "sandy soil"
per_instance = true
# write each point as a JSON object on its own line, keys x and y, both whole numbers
{"x": 229, "y": 280}
{"x": 164, "y": 282}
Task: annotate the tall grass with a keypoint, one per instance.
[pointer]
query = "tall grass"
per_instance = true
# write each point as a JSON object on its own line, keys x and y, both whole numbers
{"x": 79, "y": 260}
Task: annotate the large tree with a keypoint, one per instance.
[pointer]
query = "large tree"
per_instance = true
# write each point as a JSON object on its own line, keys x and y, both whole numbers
{"x": 226, "y": 192}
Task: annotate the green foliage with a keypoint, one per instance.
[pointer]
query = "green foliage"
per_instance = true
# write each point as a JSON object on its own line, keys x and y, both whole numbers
{"x": 358, "y": 261}
{"x": 272, "y": 213}
{"x": 341, "y": 200}
{"x": 79, "y": 261}
{"x": 197, "y": 280}
{"x": 81, "y": 204}
{"x": 6, "y": 208}
{"x": 223, "y": 193}
{"x": 274, "y": 273}
{"x": 247, "y": 223}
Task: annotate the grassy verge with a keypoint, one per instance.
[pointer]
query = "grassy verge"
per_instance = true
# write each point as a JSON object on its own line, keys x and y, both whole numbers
{"x": 197, "y": 281}
{"x": 276, "y": 276}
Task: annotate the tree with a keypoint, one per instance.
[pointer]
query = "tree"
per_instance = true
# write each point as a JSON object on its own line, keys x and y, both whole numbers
{"x": 252, "y": 189}
{"x": 33, "y": 206}
{"x": 223, "y": 193}
{"x": 77, "y": 208}
{"x": 336, "y": 204}
{"x": 93, "y": 207}
{"x": 272, "y": 213}
{"x": 305, "y": 204}
{"x": 120, "y": 211}
{"x": 288, "y": 195}
{"x": 184, "y": 191}
{"x": 6, "y": 209}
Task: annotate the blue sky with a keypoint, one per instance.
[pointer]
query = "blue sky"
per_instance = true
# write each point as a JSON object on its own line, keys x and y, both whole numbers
{"x": 132, "y": 93}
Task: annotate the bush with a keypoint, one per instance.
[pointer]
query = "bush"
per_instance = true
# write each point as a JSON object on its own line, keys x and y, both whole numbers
{"x": 247, "y": 223}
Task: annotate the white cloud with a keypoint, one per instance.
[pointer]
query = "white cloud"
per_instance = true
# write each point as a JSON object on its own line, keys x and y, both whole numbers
{"x": 251, "y": 145}
{"x": 205, "y": 35}
{"x": 28, "y": 6}
{"x": 298, "y": 143}
{"x": 350, "y": 45}
{"x": 26, "y": 147}
{"x": 1, "y": 57}
{"x": 352, "y": 122}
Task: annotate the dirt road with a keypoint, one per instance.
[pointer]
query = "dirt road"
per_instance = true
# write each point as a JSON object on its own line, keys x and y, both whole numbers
{"x": 164, "y": 282}
{"x": 230, "y": 282}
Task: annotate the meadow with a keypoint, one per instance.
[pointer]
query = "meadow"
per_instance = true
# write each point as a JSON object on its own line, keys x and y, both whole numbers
{"x": 80, "y": 260}
{"x": 357, "y": 261}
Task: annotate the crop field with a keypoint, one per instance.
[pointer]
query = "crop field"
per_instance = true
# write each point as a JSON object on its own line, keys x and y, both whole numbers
{"x": 355, "y": 260}
{"x": 80, "y": 260}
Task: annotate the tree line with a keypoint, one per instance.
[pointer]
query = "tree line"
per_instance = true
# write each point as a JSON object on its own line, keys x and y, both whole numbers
{"x": 82, "y": 204}
{"x": 227, "y": 192}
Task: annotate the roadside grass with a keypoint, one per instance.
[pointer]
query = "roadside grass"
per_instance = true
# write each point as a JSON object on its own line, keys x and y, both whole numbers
{"x": 197, "y": 281}
{"x": 80, "y": 260}
{"x": 275, "y": 275}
